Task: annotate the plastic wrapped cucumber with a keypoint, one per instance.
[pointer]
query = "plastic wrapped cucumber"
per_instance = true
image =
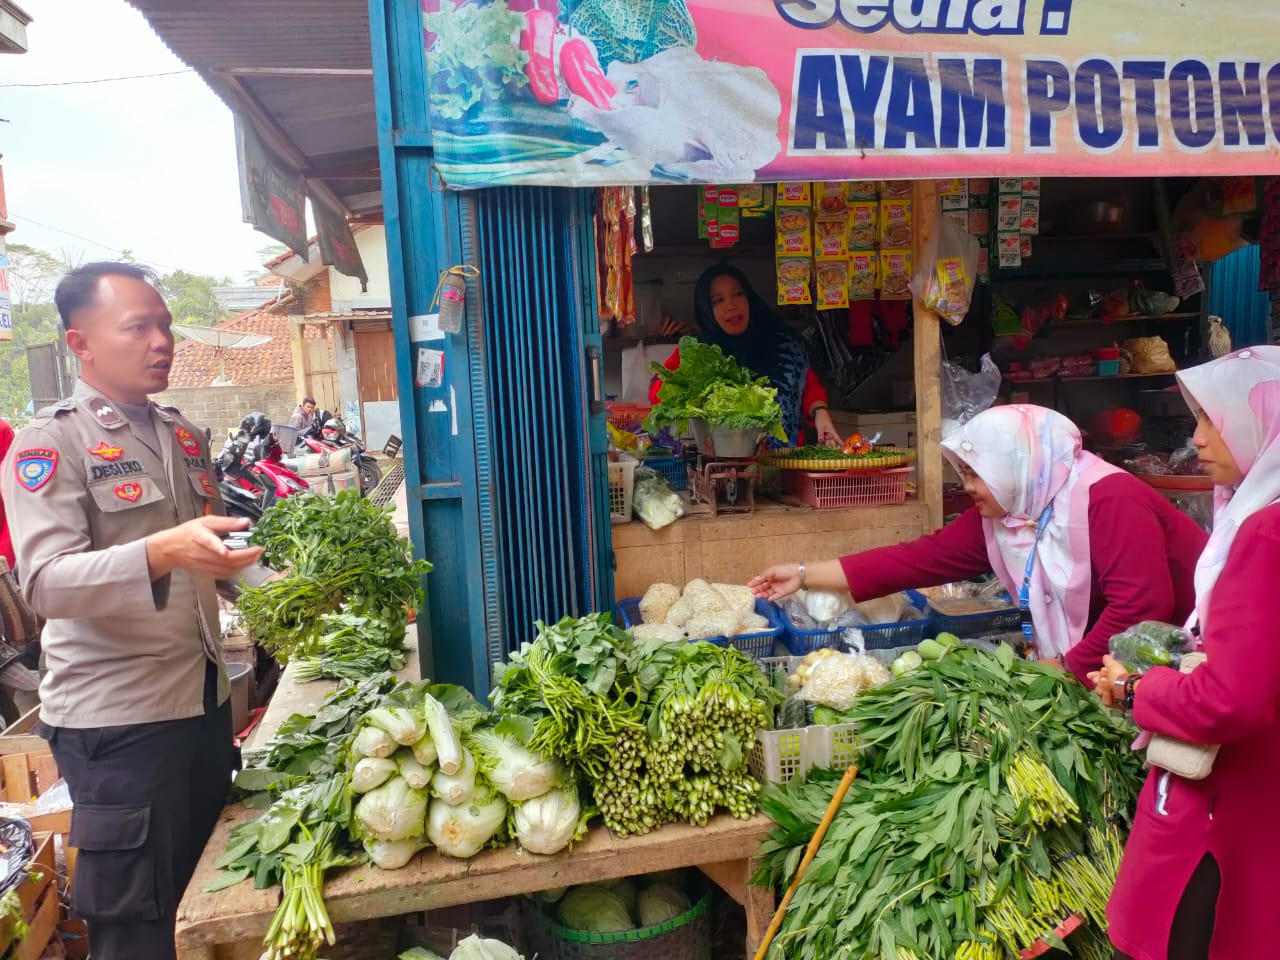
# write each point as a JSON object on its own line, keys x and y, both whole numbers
{"x": 1150, "y": 644}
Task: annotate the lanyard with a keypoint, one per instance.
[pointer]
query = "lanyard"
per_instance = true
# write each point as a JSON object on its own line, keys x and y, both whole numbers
{"x": 1024, "y": 592}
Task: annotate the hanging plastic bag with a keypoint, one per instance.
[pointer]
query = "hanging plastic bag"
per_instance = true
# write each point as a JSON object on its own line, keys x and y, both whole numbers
{"x": 966, "y": 394}
{"x": 654, "y": 502}
{"x": 944, "y": 280}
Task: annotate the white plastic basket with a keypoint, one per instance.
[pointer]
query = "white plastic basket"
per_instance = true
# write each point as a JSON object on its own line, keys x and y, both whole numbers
{"x": 622, "y": 478}
{"x": 779, "y": 755}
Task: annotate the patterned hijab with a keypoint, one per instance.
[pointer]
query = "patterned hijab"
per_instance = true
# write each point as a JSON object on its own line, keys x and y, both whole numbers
{"x": 767, "y": 347}
{"x": 1248, "y": 382}
{"x": 1030, "y": 457}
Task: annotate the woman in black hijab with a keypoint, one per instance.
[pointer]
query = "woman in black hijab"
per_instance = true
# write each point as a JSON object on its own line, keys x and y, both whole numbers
{"x": 733, "y": 316}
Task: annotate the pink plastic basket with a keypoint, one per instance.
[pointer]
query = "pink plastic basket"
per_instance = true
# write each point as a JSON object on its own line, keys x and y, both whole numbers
{"x": 859, "y": 488}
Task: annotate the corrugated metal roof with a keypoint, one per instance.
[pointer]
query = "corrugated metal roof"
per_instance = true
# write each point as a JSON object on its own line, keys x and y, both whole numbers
{"x": 330, "y": 119}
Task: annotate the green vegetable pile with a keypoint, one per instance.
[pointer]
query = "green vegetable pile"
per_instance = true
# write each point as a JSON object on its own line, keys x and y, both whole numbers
{"x": 990, "y": 808}
{"x": 343, "y": 604}
{"x": 476, "y": 56}
{"x": 712, "y": 386}
{"x": 660, "y": 730}
{"x": 381, "y": 771}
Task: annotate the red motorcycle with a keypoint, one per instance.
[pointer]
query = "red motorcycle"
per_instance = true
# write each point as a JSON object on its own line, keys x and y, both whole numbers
{"x": 329, "y": 435}
{"x": 264, "y": 458}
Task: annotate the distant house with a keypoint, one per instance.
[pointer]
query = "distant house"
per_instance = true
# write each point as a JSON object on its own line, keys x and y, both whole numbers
{"x": 329, "y": 340}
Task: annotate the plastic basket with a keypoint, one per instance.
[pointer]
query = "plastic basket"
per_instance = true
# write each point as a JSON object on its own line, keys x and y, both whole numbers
{"x": 779, "y": 755}
{"x": 880, "y": 636}
{"x": 865, "y": 488}
{"x": 1006, "y": 620}
{"x": 626, "y": 415}
{"x": 670, "y": 469}
{"x": 622, "y": 479}
{"x": 755, "y": 645}
{"x": 686, "y": 937}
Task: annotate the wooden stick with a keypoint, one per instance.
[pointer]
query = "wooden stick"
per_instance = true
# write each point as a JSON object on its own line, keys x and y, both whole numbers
{"x": 809, "y": 854}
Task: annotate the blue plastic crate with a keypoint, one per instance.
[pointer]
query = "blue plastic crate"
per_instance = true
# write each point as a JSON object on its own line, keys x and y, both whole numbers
{"x": 755, "y": 645}
{"x": 670, "y": 469}
{"x": 977, "y": 624}
{"x": 881, "y": 637}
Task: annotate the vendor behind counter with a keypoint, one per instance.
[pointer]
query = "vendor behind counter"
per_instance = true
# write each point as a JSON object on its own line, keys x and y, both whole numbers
{"x": 1103, "y": 549}
{"x": 731, "y": 315}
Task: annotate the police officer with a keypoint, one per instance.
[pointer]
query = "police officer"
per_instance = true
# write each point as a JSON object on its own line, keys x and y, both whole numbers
{"x": 119, "y": 534}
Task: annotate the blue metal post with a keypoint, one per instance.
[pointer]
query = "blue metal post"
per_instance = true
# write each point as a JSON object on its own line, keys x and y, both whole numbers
{"x": 437, "y": 423}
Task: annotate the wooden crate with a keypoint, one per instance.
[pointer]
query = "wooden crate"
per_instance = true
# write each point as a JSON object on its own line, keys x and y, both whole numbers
{"x": 41, "y": 906}
{"x": 25, "y": 776}
{"x": 20, "y": 736}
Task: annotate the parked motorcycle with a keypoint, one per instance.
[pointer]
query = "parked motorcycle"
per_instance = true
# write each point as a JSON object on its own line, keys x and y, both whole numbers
{"x": 244, "y": 493}
{"x": 264, "y": 457}
{"x": 329, "y": 433}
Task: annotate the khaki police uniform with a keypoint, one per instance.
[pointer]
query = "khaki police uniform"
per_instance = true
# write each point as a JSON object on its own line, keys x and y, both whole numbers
{"x": 135, "y": 700}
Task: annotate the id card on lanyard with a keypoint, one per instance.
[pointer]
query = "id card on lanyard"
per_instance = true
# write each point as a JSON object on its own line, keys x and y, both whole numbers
{"x": 1024, "y": 592}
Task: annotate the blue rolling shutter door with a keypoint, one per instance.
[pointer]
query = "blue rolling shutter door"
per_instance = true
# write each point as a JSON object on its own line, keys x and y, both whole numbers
{"x": 543, "y": 488}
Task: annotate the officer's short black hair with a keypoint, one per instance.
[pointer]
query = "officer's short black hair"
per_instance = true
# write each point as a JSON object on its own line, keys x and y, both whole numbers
{"x": 79, "y": 288}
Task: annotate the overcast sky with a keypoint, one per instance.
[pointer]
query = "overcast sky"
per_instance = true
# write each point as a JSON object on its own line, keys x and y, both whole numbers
{"x": 147, "y": 165}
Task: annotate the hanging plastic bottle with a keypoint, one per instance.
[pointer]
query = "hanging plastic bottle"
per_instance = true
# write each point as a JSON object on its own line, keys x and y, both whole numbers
{"x": 451, "y": 296}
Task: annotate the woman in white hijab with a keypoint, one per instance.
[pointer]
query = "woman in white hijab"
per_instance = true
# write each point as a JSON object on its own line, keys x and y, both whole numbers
{"x": 1097, "y": 549}
{"x": 1198, "y": 879}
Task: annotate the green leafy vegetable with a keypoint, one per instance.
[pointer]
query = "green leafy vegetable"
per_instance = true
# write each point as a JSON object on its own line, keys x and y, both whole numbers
{"x": 476, "y": 56}
{"x": 632, "y": 32}
{"x": 712, "y": 386}
{"x": 744, "y": 406}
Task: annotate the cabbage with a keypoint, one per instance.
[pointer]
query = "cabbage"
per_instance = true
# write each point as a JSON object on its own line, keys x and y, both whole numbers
{"x": 373, "y": 742}
{"x": 625, "y": 890}
{"x": 414, "y": 773}
{"x": 392, "y": 854}
{"x": 424, "y": 751}
{"x": 549, "y": 823}
{"x": 516, "y": 771}
{"x": 371, "y": 772}
{"x": 456, "y": 788}
{"x": 474, "y": 948}
{"x": 594, "y": 909}
{"x": 463, "y": 831}
{"x": 393, "y": 811}
{"x": 405, "y": 726}
{"x": 419, "y": 953}
{"x": 551, "y": 895}
{"x": 660, "y": 902}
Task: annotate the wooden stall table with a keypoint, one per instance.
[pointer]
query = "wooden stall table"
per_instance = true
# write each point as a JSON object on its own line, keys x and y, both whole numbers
{"x": 230, "y": 924}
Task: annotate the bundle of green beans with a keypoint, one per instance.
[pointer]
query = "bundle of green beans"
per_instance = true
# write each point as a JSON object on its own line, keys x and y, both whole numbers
{"x": 990, "y": 807}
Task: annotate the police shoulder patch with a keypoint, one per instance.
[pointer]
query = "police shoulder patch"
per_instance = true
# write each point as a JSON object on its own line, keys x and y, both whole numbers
{"x": 34, "y": 467}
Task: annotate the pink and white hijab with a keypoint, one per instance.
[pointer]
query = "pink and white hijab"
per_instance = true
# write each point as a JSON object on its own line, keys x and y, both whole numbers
{"x": 1029, "y": 457}
{"x": 1246, "y": 383}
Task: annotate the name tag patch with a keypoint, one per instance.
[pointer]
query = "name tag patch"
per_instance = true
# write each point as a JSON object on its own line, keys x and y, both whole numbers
{"x": 105, "y": 451}
{"x": 129, "y": 491}
{"x": 125, "y": 468}
{"x": 35, "y": 467}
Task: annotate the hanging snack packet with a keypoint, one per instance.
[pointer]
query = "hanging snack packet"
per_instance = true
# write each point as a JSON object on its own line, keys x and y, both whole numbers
{"x": 833, "y": 284}
{"x": 830, "y": 198}
{"x": 793, "y": 280}
{"x": 794, "y": 234}
{"x": 895, "y": 274}
{"x": 895, "y": 223}
{"x": 864, "y": 220}
{"x": 794, "y": 195}
{"x": 863, "y": 265}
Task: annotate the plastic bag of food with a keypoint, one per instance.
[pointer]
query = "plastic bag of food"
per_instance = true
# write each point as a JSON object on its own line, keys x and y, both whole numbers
{"x": 1150, "y": 644}
{"x": 1150, "y": 355}
{"x": 654, "y": 502}
{"x": 966, "y": 394}
{"x": 836, "y": 681}
{"x": 824, "y": 606}
{"x": 797, "y": 615}
{"x": 658, "y": 601}
{"x": 888, "y": 609}
{"x": 947, "y": 272}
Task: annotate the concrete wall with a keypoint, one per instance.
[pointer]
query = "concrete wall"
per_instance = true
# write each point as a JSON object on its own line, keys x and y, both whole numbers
{"x": 372, "y": 243}
{"x": 221, "y": 408}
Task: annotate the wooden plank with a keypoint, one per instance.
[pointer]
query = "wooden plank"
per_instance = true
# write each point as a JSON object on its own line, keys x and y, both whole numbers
{"x": 29, "y": 893}
{"x": 17, "y": 778}
{"x": 761, "y": 905}
{"x": 20, "y": 736}
{"x": 432, "y": 881}
{"x": 730, "y": 876}
{"x": 41, "y": 927}
{"x": 927, "y": 340}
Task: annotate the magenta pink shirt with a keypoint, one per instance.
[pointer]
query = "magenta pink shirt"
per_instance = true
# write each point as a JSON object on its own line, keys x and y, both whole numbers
{"x": 1232, "y": 700}
{"x": 1143, "y": 554}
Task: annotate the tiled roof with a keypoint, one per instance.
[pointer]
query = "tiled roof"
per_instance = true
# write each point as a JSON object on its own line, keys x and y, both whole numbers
{"x": 198, "y": 365}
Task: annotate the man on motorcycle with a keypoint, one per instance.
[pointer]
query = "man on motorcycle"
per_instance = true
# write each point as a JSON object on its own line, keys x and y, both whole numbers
{"x": 304, "y": 415}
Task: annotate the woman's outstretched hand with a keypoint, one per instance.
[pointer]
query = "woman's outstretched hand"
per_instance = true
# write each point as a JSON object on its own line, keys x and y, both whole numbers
{"x": 777, "y": 583}
{"x": 1108, "y": 682}
{"x": 828, "y": 435}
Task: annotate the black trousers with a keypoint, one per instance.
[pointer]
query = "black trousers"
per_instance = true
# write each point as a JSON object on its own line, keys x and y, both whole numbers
{"x": 146, "y": 798}
{"x": 1192, "y": 929}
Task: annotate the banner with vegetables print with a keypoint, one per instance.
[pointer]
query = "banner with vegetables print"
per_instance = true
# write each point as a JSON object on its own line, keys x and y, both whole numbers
{"x": 594, "y": 92}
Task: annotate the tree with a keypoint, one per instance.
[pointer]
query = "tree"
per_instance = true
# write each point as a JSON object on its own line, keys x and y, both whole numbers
{"x": 191, "y": 299}
{"x": 32, "y": 274}
{"x": 265, "y": 255}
